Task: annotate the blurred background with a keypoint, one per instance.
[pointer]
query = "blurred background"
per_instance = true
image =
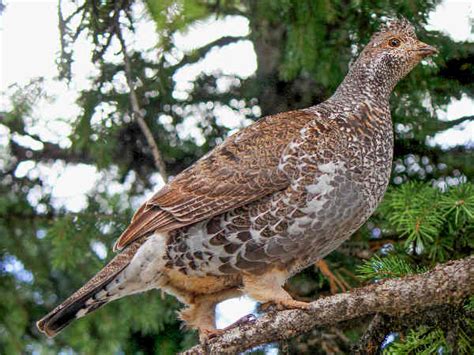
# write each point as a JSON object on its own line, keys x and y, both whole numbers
{"x": 75, "y": 162}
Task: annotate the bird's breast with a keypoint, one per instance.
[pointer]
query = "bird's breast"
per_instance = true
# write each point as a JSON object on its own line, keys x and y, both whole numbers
{"x": 336, "y": 184}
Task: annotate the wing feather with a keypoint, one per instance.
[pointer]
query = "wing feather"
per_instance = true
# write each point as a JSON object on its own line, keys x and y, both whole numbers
{"x": 242, "y": 169}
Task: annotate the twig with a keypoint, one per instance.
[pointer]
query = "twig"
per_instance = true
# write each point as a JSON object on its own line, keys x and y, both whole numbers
{"x": 200, "y": 53}
{"x": 444, "y": 125}
{"x": 449, "y": 283}
{"x": 136, "y": 110}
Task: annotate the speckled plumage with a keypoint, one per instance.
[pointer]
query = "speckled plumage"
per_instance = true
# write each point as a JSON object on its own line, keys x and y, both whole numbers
{"x": 271, "y": 200}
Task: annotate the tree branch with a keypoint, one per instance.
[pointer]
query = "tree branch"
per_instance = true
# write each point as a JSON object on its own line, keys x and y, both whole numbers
{"x": 136, "y": 110}
{"x": 459, "y": 121}
{"x": 449, "y": 283}
{"x": 49, "y": 152}
{"x": 437, "y": 126}
{"x": 198, "y": 54}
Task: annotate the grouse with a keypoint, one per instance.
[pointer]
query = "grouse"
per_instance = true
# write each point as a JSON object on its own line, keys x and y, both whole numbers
{"x": 271, "y": 200}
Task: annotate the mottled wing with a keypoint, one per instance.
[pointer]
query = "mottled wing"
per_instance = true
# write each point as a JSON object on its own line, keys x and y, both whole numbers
{"x": 242, "y": 169}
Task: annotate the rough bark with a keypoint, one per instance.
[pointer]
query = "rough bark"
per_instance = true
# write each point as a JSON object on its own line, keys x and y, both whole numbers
{"x": 449, "y": 283}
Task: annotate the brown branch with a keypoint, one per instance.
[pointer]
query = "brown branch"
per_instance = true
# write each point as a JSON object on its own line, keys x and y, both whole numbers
{"x": 136, "y": 110}
{"x": 65, "y": 32}
{"x": 437, "y": 126}
{"x": 49, "y": 152}
{"x": 449, "y": 283}
{"x": 198, "y": 54}
{"x": 459, "y": 120}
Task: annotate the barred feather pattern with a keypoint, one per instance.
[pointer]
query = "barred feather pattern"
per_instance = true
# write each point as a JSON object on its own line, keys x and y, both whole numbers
{"x": 332, "y": 192}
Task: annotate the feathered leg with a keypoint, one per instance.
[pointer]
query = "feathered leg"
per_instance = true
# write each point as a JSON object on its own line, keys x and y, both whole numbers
{"x": 200, "y": 312}
{"x": 268, "y": 288}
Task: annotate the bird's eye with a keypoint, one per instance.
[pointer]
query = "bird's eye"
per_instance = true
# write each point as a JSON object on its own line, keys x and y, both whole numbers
{"x": 394, "y": 42}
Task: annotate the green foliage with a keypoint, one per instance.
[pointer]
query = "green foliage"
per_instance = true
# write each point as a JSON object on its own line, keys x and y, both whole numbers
{"x": 433, "y": 226}
{"x": 413, "y": 214}
{"x": 421, "y": 341}
{"x": 389, "y": 267}
{"x": 426, "y": 340}
{"x": 310, "y": 40}
{"x": 432, "y": 222}
{"x": 171, "y": 15}
{"x": 469, "y": 306}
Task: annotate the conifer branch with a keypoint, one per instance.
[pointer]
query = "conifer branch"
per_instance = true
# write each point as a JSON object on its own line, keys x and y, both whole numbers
{"x": 460, "y": 120}
{"x": 449, "y": 283}
{"x": 136, "y": 110}
{"x": 437, "y": 126}
{"x": 198, "y": 54}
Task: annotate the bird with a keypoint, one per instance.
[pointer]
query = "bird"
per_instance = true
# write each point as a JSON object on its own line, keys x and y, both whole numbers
{"x": 271, "y": 200}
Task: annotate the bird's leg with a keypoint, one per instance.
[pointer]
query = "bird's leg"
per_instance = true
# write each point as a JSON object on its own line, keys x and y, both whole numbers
{"x": 208, "y": 334}
{"x": 200, "y": 313}
{"x": 268, "y": 289}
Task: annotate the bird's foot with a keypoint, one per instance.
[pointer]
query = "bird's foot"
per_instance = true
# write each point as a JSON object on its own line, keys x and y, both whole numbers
{"x": 206, "y": 334}
{"x": 285, "y": 304}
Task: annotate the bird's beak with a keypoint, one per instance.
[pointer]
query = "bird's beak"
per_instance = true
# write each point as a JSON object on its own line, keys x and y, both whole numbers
{"x": 425, "y": 50}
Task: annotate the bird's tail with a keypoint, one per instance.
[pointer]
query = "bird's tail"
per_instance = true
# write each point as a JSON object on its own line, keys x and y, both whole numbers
{"x": 89, "y": 297}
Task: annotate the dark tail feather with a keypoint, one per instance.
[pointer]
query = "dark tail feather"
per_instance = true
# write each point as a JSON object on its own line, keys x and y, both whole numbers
{"x": 85, "y": 300}
{"x": 64, "y": 314}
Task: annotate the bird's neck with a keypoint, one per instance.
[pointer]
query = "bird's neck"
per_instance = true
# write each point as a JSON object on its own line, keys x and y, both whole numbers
{"x": 366, "y": 81}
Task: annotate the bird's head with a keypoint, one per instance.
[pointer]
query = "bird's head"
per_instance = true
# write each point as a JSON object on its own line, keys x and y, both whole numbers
{"x": 391, "y": 54}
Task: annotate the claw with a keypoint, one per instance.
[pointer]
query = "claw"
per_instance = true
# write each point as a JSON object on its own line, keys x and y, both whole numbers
{"x": 281, "y": 305}
{"x": 206, "y": 334}
{"x": 212, "y": 333}
{"x": 294, "y": 304}
{"x": 267, "y": 306}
